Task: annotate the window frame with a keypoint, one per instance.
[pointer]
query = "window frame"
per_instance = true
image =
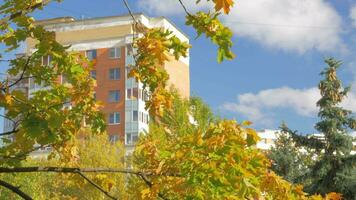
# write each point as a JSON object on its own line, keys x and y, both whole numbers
{"x": 114, "y": 138}
{"x": 110, "y": 100}
{"x": 132, "y": 136}
{"x": 133, "y": 116}
{"x": 117, "y": 52}
{"x": 118, "y": 74}
{"x": 94, "y": 55}
{"x": 115, "y": 118}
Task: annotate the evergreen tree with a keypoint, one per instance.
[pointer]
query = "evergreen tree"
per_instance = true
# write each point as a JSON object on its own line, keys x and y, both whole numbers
{"x": 288, "y": 160}
{"x": 335, "y": 170}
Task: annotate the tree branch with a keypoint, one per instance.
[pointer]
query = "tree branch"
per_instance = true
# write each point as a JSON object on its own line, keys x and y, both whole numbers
{"x": 15, "y": 190}
{"x": 9, "y": 132}
{"x": 149, "y": 184}
{"x": 129, "y": 10}
{"x": 69, "y": 170}
{"x": 23, "y": 72}
{"x": 96, "y": 185}
{"x": 311, "y": 142}
{"x": 142, "y": 175}
{"x": 185, "y": 8}
{"x": 29, "y": 9}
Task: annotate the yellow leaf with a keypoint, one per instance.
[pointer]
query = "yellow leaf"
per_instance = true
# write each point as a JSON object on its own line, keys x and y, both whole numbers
{"x": 246, "y": 123}
{"x": 144, "y": 193}
{"x": 8, "y": 99}
{"x": 179, "y": 154}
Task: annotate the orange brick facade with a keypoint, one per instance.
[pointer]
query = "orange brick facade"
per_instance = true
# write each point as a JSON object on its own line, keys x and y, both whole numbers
{"x": 103, "y": 64}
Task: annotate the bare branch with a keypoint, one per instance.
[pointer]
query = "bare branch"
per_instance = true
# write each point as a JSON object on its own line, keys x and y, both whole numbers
{"x": 83, "y": 170}
{"x": 96, "y": 186}
{"x": 129, "y": 10}
{"x": 66, "y": 170}
{"x": 15, "y": 190}
{"x": 185, "y": 8}
{"x": 9, "y": 132}
{"x": 8, "y": 118}
{"x": 23, "y": 72}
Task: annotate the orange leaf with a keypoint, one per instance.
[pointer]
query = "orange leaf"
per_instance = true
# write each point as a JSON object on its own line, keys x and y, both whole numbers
{"x": 224, "y": 4}
{"x": 333, "y": 196}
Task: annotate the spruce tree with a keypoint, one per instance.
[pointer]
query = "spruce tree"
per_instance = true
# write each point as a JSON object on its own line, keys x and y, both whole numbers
{"x": 335, "y": 168}
{"x": 289, "y": 160}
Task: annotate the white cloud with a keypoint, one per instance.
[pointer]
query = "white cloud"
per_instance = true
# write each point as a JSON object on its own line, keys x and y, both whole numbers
{"x": 353, "y": 15}
{"x": 261, "y": 106}
{"x": 291, "y": 25}
{"x": 288, "y": 24}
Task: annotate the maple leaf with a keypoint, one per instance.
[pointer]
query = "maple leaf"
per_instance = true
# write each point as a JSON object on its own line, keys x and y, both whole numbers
{"x": 224, "y": 4}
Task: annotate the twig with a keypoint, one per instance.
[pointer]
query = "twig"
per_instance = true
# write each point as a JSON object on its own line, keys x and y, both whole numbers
{"x": 6, "y": 117}
{"x": 185, "y": 8}
{"x": 23, "y": 72}
{"x": 129, "y": 10}
{"x": 15, "y": 190}
{"x": 96, "y": 185}
{"x": 149, "y": 184}
{"x": 9, "y": 132}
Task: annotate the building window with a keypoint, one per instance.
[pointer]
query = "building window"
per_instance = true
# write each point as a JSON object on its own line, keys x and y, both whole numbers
{"x": 128, "y": 94}
{"x": 93, "y": 74}
{"x": 114, "y": 96}
{"x": 135, "y": 116}
{"x": 46, "y": 60}
{"x": 131, "y": 138}
{"x": 113, "y": 138}
{"x": 115, "y": 52}
{"x": 114, "y": 118}
{"x": 134, "y": 93}
{"x": 114, "y": 74}
{"x": 91, "y": 54}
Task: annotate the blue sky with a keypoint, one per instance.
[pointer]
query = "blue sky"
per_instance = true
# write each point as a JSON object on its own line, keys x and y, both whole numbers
{"x": 280, "y": 46}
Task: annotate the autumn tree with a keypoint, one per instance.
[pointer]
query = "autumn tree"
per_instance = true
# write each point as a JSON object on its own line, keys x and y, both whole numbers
{"x": 212, "y": 159}
{"x": 336, "y": 168}
{"x": 178, "y": 159}
{"x": 91, "y": 151}
{"x": 44, "y": 120}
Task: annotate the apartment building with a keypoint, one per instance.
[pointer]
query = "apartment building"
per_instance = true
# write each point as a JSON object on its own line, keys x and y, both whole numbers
{"x": 268, "y": 138}
{"x": 108, "y": 42}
